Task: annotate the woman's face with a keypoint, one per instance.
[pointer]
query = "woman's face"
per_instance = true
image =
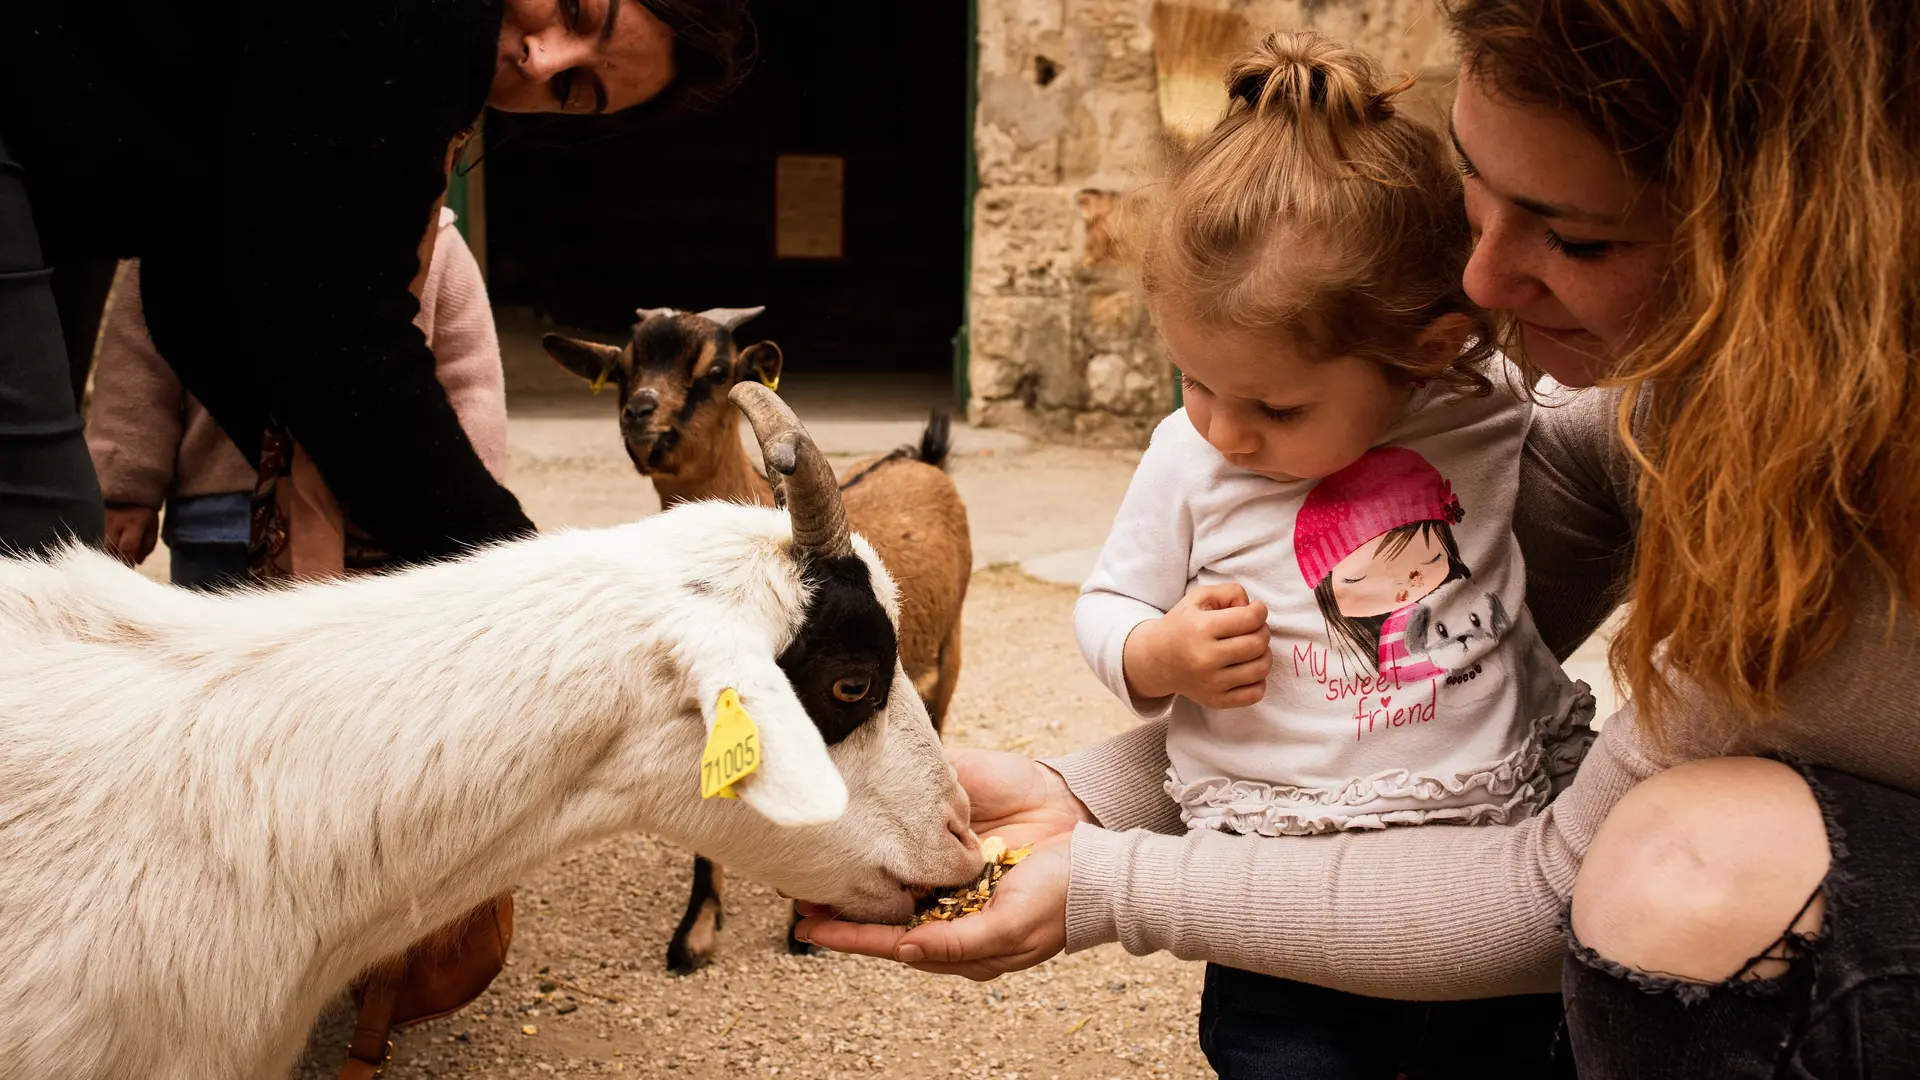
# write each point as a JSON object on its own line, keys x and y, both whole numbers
{"x": 1567, "y": 240}
{"x": 580, "y": 56}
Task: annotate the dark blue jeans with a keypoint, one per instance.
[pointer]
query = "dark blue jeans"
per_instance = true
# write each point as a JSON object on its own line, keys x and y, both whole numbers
{"x": 207, "y": 540}
{"x": 208, "y": 567}
{"x": 1257, "y": 1027}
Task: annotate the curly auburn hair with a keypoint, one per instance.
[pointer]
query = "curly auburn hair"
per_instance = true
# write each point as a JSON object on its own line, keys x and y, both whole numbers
{"x": 1782, "y": 447}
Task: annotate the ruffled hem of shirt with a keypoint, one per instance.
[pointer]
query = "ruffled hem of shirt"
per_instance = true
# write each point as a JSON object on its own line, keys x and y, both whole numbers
{"x": 1516, "y": 786}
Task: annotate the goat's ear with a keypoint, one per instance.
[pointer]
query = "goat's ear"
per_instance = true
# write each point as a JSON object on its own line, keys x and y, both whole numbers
{"x": 795, "y": 781}
{"x": 762, "y": 359}
{"x": 590, "y": 360}
{"x": 731, "y": 318}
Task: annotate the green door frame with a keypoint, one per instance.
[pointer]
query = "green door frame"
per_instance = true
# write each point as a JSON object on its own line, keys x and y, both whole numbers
{"x": 962, "y": 344}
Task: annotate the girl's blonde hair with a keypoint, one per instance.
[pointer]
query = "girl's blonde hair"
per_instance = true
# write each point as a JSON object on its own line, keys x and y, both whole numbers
{"x": 1316, "y": 211}
{"x": 1784, "y": 443}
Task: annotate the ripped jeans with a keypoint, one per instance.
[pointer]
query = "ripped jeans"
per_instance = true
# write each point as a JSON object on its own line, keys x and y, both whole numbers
{"x": 1847, "y": 1006}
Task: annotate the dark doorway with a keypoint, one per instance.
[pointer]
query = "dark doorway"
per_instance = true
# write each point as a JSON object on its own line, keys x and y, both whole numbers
{"x": 596, "y": 220}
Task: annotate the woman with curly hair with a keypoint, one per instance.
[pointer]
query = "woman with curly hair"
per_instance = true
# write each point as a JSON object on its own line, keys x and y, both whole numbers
{"x": 1700, "y": 215}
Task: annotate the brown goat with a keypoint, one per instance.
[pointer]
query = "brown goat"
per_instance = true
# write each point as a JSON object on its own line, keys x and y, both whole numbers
{"x": 673, "y": 376}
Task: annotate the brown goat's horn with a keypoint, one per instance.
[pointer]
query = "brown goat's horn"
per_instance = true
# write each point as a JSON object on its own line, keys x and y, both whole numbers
{"x": 813, "y": 493}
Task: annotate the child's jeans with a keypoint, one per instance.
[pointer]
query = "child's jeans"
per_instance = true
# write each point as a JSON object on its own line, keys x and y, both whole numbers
{"x": 1257, "y": 1027}
{"x": 206, "y": 537}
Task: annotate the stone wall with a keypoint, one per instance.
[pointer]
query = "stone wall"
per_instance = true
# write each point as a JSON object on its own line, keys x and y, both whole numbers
{"x": 1060, "y": 345}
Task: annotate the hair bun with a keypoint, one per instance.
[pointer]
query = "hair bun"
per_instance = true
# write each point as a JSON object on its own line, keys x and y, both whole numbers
{"x": 1302, "y": 73}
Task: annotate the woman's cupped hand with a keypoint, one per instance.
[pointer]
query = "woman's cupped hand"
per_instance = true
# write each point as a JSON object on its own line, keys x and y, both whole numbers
{"x": 1022, "y": 802}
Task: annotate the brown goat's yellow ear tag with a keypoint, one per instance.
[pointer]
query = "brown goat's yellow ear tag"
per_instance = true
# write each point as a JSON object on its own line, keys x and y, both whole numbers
{"x": 600, "y": 381}
{"x": 733, "y": 750}
{"x": 770, "y": 383}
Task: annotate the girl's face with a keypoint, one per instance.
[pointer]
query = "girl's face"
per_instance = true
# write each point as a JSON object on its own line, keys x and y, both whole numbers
{"x": 579, "y": 56}
{"x": 1567, "y": 240}
{"x": 1272, "y": 411}
{"x": 1375, "y": 579}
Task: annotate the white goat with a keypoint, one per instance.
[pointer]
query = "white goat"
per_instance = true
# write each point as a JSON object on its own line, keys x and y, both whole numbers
{"x": 215, "y": 811}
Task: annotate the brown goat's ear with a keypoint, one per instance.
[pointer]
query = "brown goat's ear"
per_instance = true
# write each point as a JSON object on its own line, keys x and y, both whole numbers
{"x": 590, "y": 360}
{"x": 762, "y": 359}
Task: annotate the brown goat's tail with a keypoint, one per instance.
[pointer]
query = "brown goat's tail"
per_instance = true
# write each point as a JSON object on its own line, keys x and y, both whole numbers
{"x": 935, "y": 444}
{"x": 937, "y": 441}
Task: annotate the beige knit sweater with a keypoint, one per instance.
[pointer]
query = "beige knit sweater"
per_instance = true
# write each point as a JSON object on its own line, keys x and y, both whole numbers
{"x": 1439, "y": 912}
{"x": 150, "y": 438}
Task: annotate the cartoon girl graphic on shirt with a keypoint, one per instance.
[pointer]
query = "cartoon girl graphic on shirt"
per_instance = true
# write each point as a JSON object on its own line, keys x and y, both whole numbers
{"x": 1372, "y": 540}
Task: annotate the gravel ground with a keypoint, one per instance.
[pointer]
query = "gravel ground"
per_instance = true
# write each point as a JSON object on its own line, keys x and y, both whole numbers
{"x": 586, "y": 991}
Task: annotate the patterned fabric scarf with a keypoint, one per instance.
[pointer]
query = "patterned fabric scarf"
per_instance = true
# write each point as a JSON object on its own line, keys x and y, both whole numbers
{"x": 299, "y": 531}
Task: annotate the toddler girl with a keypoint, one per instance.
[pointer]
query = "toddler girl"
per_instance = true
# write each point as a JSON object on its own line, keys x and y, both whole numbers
{"x": 1312, "y": 574}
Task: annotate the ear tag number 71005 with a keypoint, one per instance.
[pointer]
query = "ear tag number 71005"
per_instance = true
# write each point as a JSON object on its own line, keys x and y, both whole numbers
{"x": 733, "y": 750}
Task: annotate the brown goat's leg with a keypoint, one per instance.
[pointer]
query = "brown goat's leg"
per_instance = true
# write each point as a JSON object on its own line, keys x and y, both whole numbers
{"x": 949, "y": 679}
{"x": 796, "y": 947}
{"x": 699, "y": 929}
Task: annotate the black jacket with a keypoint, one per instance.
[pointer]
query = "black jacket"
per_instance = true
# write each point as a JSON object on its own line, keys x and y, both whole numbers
{"x": 274, "y": 166}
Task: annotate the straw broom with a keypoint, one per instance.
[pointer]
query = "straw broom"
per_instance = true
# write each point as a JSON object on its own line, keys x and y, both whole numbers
{"x": 1192, "y": 46}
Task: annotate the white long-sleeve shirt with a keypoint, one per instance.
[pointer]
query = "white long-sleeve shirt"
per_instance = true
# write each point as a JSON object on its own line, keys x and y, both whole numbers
{"x": 1449, "y": 707}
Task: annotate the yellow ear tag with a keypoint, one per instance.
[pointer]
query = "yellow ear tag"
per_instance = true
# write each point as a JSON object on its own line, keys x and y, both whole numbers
{"x": 771, "y": 384}
{"x": 600, "y": 380}
{"x": 733, "y": 750}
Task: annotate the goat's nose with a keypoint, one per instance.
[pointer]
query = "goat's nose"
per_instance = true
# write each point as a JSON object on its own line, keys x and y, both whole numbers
{"x": 961, "y": 829}
{"x": 641, "y": 406}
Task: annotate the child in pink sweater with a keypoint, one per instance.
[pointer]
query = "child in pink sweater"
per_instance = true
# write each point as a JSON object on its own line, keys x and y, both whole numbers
{"x": 153, "y": 444}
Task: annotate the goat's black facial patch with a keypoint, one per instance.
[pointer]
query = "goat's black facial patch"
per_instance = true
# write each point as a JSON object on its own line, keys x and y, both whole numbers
{"x": 657, "y": 343}
{"x": 841, "y": 662}
{"x": 702, "y": 390}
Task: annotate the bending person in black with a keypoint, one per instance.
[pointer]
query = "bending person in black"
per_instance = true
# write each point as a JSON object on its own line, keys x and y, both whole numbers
{"x": 178, "y": 132}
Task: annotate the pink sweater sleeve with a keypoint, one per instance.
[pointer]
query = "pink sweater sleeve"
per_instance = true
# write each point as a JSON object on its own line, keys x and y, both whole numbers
{"x": 457, "y": 320}
{"x": 135, "y": 418}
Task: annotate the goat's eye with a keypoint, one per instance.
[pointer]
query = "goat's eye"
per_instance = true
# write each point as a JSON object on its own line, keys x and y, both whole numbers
{"x": 852, "y": 689}
{"x": 1475, "y": 620}
{"x": 1441, "y": 629}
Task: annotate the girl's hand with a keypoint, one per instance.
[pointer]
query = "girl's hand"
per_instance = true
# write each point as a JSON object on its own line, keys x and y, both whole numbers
{"x": 1210, "y": 649}
{"x": 1025, "y": 924}
{"x": 132, "y": 532}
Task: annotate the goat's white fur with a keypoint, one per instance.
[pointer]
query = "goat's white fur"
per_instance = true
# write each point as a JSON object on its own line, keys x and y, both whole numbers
{"x": 216, "y": 810}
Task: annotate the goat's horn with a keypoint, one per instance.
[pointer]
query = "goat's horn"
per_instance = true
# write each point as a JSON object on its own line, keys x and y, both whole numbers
{"x": 813, "y": 493}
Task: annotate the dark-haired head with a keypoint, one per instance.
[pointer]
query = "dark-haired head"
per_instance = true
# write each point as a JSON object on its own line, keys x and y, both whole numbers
{"x": 713, "y": 47}
{"x": 591, "y": 57}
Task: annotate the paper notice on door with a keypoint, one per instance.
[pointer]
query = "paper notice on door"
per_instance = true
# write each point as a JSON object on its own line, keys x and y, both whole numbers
{"x": 809, "y": 206}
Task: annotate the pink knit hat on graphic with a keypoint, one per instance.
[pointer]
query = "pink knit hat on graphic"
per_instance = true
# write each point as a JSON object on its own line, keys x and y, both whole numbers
{"x": 1385, "y": 489}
